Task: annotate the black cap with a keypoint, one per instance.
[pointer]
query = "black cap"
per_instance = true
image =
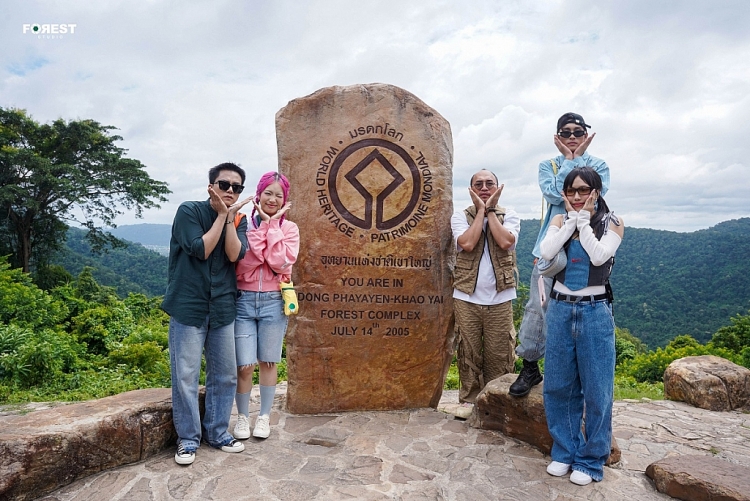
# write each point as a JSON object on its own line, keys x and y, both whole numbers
{"x": 571, "y": 118}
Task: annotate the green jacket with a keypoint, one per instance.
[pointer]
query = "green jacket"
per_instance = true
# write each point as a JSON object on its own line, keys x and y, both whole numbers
{"x": 199, "y": 287}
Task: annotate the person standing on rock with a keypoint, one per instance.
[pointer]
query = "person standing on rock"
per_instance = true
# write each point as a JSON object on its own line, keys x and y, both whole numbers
{"x": 580, "y": 361}
{"x": 484, "y": 285}
{"x": 261, "y": 323}
{"x": 200, "y": 301}
{"x": 572, "y": 141}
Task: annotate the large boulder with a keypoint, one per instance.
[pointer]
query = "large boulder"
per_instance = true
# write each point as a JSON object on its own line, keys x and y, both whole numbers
{"x": 708, "y": 382}
{"x": 699, "y": 478}
{"x": 44, "y": 450}
{"x": 522, "y": 418}
{"x": 371, "y": 174}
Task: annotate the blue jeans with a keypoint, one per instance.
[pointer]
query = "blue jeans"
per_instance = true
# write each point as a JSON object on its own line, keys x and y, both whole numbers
{"x": 532, "y": 333}
{"x": 579, "y": 371}
{"x": 259, "y": 327}
{"x": 186, "y": 346}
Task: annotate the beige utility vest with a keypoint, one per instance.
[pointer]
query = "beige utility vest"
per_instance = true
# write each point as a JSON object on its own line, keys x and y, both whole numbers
{"x": 467, "y": 263}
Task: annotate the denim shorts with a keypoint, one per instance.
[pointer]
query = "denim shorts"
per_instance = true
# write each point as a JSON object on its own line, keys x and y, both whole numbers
{"x": 259, "y": 328}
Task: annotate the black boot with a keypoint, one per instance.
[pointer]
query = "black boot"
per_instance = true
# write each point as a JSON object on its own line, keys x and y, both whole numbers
{"x": 528, "y": 377}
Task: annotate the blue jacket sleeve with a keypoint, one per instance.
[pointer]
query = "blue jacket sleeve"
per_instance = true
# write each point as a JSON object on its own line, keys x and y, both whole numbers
{"x": 552, "y": 185}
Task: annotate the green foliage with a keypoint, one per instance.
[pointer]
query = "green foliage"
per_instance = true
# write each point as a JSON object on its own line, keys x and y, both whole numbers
{"x": 735, "y": 337}
{"x": 50, "y": 276}
{"x": 452, "y": 381}
{"x": 78, "y": 340}
{"x": 63, "y": 171}
{"x": 32, "y": 358}
{"x": 23, "y": 303}
{"x": 628, "y": 387}
{"x": 650, "y": 367}
{"x": 126, "y": 269}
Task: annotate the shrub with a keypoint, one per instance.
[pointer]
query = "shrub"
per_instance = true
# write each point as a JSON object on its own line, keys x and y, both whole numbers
{"x": 101, "y": 326}
{"x": 650, "y": 367}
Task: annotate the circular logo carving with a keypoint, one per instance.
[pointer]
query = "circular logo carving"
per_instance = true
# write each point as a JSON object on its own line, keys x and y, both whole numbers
{"x": 359, "y": 189}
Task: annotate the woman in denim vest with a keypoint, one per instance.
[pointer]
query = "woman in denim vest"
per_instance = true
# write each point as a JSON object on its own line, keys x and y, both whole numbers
{"x": 260, "y": 326}
{"x": 580, "y": 356}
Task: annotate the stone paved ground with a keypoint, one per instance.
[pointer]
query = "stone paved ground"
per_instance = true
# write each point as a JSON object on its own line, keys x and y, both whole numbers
{"x": 417, "y": 455}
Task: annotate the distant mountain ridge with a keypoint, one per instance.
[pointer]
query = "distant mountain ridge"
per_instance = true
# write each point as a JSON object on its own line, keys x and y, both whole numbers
{"x": 665, "y": 283}
{"x": 144, "y": 234}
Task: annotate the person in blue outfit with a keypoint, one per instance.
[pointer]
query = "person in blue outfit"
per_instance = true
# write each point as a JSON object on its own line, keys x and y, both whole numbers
{"x": 580, "y": 362}
{"x": 572, "y": 141}
{"x": 200, "y": 301}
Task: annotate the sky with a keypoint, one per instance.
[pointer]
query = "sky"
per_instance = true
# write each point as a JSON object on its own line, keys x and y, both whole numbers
{"x": 190, "y": 84}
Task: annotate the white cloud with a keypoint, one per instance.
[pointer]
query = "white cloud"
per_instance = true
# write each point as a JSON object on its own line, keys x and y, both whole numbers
{"x": 192, "y": 84}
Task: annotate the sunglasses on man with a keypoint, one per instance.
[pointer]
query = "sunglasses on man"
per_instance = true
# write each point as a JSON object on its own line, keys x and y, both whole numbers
{"x": 567, "y": 133}
{"x": 225, "y": 185}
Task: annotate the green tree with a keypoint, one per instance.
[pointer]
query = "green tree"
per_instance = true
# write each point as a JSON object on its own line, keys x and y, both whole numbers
{"x": 66, "y": 171}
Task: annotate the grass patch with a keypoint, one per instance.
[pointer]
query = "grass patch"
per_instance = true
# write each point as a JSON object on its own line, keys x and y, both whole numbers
{"x": 626, "y": 387}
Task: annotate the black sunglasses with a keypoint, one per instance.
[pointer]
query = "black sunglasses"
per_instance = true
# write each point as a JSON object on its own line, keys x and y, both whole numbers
{"x": 225, "y": 185}
{"x": 567, "y": 133}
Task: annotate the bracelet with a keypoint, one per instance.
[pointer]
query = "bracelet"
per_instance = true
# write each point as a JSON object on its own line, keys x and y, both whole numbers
{"x": 491, "y": 209}
{"x": 229, "y": 222}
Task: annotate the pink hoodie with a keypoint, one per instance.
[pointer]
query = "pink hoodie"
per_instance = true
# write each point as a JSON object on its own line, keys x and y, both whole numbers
{"x": 272, "y": 250}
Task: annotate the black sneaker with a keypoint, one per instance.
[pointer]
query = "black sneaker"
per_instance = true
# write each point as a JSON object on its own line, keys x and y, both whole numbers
{"x": 184, "y": 456}
{"x": 527, "y": 379}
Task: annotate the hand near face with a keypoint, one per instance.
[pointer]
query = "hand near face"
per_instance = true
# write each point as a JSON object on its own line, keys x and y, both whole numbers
{"x": 263, "y": 215}
{"x": 495, "y": 197}
{"x": 562, "y": 148}
{"x": 235, "y": 207}
{"x": 282, "y": 211}
{"x": 478, "y": 203}
{"x": 217, "y": 203}
{"x": 590, "y": 201}
{"x": 568, "y": 206}
{"x": 583, "y": 146}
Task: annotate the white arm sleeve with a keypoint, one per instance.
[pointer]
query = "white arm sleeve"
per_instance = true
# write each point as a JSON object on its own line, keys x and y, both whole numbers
{"x": 598, "y": 250}
{"x": 556, "y": 237}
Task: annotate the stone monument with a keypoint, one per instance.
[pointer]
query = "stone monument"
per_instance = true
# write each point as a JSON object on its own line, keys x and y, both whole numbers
{"x": 370, "y": 168}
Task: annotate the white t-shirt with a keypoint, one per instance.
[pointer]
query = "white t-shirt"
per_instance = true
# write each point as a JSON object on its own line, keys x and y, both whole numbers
{"x": 485, "y": 292}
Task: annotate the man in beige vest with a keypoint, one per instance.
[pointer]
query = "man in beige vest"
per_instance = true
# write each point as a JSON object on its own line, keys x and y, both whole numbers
{"x": 484, "y": 285}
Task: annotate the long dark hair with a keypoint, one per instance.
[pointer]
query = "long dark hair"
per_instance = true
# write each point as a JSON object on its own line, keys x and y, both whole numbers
{"x": 592, "y": 179}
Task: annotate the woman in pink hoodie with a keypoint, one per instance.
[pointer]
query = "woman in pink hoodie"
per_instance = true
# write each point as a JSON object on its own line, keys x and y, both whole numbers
{"x": 273, "y": 245}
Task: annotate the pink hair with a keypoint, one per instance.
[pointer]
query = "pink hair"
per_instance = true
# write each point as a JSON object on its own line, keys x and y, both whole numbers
{"x": 266, "y": 180}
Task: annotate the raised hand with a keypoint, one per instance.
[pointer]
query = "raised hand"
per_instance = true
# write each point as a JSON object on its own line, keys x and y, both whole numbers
{"x": 568, "y": 206}
{"x": 217, "y": 203}
{"x": 583, "y": 146}
{"x": 235, "y": 207}
{"x": 282, "y": 211}
{"x": 477, "y": 201}
{"x": 562, "y": 148}
{"x": 263, "y": 215}
{"x": 495, "y": 197}
{"x": 590, "y": 201}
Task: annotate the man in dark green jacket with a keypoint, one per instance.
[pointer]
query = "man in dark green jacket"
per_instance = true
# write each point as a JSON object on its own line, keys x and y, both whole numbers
{"x": 200, "y": 300}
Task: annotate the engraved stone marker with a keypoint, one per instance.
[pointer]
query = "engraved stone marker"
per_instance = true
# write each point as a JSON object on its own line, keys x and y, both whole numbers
{"x": 371, "y": 172}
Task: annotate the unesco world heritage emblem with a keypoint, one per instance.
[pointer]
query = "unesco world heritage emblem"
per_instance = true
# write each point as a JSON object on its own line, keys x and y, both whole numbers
{"x": 374, "y": 186}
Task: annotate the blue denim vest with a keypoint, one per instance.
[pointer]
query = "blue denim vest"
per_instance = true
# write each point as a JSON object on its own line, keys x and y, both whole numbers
{"x": 579, "y": 272}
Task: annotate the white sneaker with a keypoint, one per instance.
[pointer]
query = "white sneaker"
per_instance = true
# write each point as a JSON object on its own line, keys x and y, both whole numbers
{"x": 262, "y": 427}
{"x": 233, "y": 446}
{"x": 242, "y": 428}
{"x": 557, "y": 469}
{"x": 184, "y": 456}
{"x": 580, "y": 478}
